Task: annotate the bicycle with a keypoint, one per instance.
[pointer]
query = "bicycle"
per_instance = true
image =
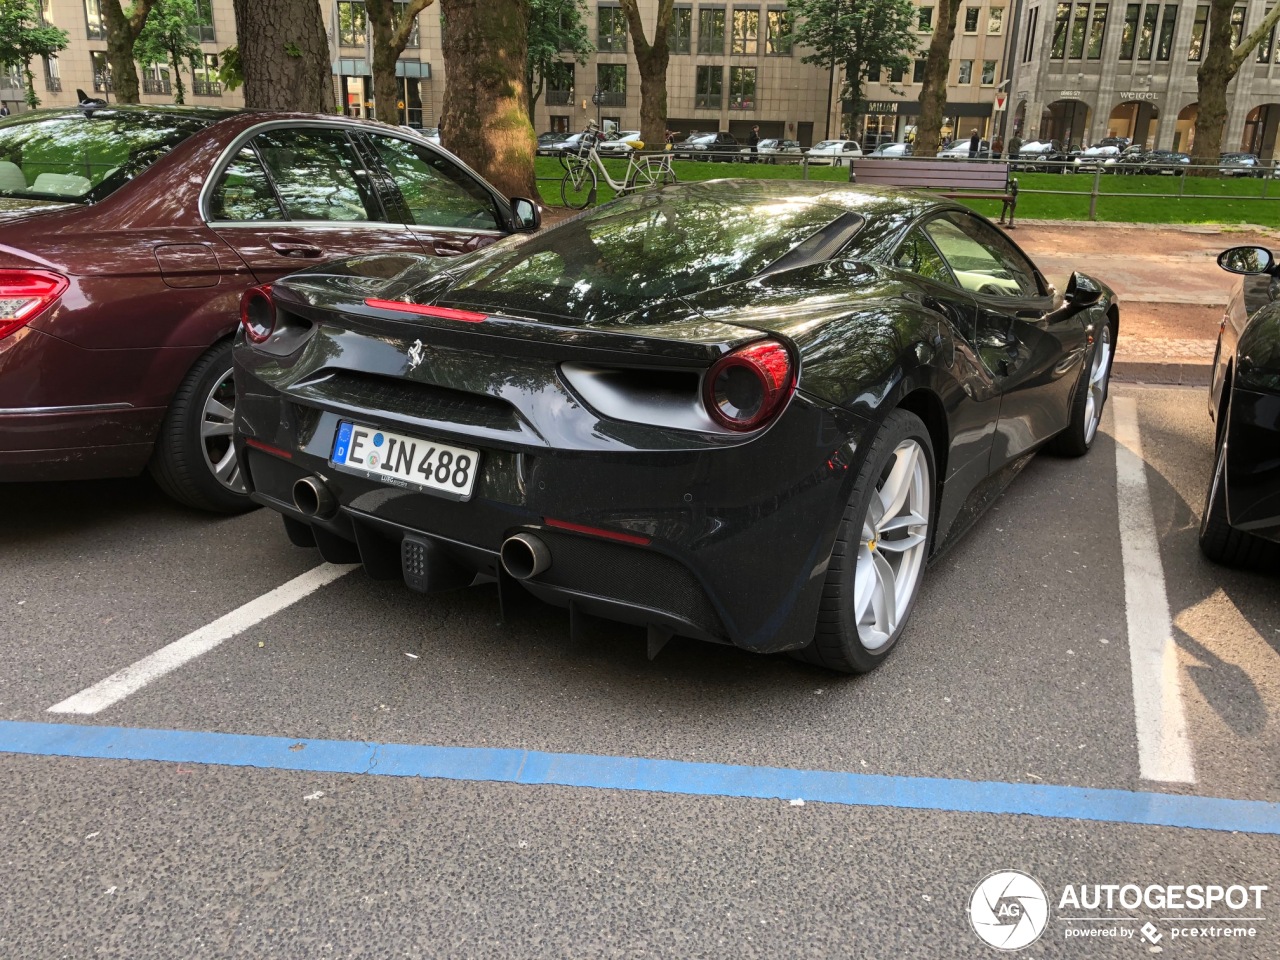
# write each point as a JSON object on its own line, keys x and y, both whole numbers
{"x": 584, "y": 168}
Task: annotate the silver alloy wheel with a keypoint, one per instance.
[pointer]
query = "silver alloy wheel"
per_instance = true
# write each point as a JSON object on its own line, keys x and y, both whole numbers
{"x": 1097, "y": 395}
{"x": 217, "y": 424}
{"x": 891, "y": 554}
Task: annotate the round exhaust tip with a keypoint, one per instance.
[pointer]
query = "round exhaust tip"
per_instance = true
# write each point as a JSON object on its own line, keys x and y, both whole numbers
{"x": 312, "y": 498}
{"x": 524, "y": 556}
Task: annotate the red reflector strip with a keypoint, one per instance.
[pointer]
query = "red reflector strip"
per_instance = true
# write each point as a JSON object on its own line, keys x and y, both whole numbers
{"x": 444, "y": 313}
{"x": 267, "y": 448}
{"x": 597, "y": 532}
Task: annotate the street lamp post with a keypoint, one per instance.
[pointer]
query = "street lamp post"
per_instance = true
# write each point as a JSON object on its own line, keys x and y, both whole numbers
{"x": 597, "y": 98}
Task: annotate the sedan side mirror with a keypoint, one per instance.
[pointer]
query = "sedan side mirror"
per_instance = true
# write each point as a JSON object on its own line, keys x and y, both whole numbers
{"x": 1082, "y": 291}
{"x": 1247, "y": 260}
{"x": 526, "y": 213}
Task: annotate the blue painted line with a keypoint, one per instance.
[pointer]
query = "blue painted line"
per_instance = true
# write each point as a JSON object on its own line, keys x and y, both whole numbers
{"x": 634, "y": 773}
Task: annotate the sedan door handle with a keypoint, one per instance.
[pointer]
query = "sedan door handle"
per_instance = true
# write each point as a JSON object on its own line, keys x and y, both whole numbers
{"x": 448, "y": 248}
{"x": 295, "y": 249}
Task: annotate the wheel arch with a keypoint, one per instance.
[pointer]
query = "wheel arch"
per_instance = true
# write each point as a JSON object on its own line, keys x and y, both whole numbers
{"x": 927, "y": 405}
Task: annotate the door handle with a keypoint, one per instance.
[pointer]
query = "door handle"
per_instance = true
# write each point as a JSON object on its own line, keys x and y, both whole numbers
{"x": 448, "y": 248}
{"x": 297, "y": 249}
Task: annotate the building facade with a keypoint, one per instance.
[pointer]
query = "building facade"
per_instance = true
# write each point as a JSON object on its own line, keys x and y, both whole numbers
{"x": 1085, "y": 71}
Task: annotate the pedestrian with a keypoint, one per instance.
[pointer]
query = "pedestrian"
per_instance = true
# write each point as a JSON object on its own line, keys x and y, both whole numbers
{"x": 975, "y": 144}
{"x": 997, "y": 147}
{"x": 1015, "y": 146}
{"x": 4, "y": 109}
{"x": 754, "y": 142}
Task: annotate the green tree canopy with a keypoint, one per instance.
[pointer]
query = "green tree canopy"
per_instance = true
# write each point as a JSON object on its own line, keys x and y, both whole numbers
{"x": 556, "y": 29}
{"x": 861, "y": 36}
{"x": 166, "y": 38}
{"x": 23, "y": 36}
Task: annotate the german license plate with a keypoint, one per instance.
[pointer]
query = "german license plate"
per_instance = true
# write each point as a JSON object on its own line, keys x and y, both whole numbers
{"x": 405, "y": 461}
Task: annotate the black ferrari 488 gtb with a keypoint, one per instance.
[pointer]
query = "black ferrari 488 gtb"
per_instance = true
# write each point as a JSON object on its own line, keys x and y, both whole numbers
{"x": 746, "y": 412}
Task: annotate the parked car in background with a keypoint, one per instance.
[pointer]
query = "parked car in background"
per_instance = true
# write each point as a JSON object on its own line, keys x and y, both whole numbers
{"x": 127, "y": 236}
{"x": 1241, "y": 165}
{"x": 779, "y": 151}
{"x": 547, "y": 142}
{"x": 708, "y": 146}
{"x": 539, "y": 412}
{"x": 621, "y": 145}
{"x": 571, "y": 143}
{"x": 960, "y": 151}
{"x": 834, "y": 151}
{"x": 1167, "y": 163}
{"x": 1043, "y": 156}
{"x": 1240, "y": 523}
{"x": 889, "y": 150}
{"x": 1104, "y": 156}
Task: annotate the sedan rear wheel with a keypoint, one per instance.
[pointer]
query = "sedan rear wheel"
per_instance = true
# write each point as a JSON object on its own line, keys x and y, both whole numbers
{"x": 878, "y": 561}
{"x": 195, "y": 461}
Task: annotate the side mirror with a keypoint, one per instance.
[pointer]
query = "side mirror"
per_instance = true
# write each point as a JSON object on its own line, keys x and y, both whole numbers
{"x": 526, "y": 213}
{"x": 1082, "y": 291}
{"x": 1246, "y": 260}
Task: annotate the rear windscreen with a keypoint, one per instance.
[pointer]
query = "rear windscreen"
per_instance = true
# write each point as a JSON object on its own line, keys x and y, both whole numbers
{"x": 83, "y": 158}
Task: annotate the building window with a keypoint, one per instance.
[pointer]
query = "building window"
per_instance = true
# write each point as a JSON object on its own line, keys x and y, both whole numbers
{"x": 613, "y": 30}
{"x": 1129, "y": 36}
{"x": 924, "y": 20}
{"x": 94, "y": 24}
{"x": 612, "y": 80}
{"x": 896, "y": 74}
{"x": 1059, "y": 49}
{"x": 101, "y": 71}
{"x": 1268, "y": 44}
{"x": 204, "y": 77}
{"x": 201, "y": 28}
{"x": 52, "y": 78}
{"x": 778, "y": 43}
{"x": 414, "y": 41}
{"x": 1167, "y": 26}
{"x": 1237, "y": 26}
{"x": 966, "y": 72}
{"x": 917, "y": 70}
{"x": 46, "y": 13}
{"x": 1146, "y": 37}
{"x": 1097, "y": 30}
{"x": 560, "y": 84}
{"x": 1078, "y": 27}
{"x": 559, "y": 123}
{"x": 710, "y": 87}
{"x": 1029, "y": 46}
{"x": 1197, "y": 32}
{"x": 742, "y": 88}
{"x": 746, "y": 32}
{"x": 155, "y": 81}
{"x": 353, "y": 23}
{"x": 711, "y": 30}
{"x": 681, "y": 30}
{"x": 988, "y": 73}
{"x": 971, "y": 19}
{"x": 995, "y": 20}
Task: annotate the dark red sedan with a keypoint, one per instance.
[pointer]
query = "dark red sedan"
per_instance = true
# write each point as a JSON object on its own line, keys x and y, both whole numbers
{"x": 127, "y": 235}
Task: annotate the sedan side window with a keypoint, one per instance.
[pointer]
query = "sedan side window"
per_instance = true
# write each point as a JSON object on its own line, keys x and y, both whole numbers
{"x": 318, "y": 175}
{"x": 437, "y": 191}
{"x": 919, "y": 256}
{"x": 983, "y": 261}
{"x": 244, "y": 193}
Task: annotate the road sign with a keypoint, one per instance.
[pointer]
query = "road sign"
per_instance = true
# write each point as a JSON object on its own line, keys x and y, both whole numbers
{"x": 1000, "y": 99}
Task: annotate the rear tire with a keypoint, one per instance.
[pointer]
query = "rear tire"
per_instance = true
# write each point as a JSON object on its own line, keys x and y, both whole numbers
{"x": 194, "y": 461}
{"x": 878, "y": 561}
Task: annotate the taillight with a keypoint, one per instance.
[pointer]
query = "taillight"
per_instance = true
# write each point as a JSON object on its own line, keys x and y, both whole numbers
{"x": 258, "y": 313}
{"x": 24, "y": 294}
{"x": 746, "y": 388}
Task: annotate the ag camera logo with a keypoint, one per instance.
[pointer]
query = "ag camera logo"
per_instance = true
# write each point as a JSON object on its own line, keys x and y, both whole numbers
{"x": 1009, "y": 910}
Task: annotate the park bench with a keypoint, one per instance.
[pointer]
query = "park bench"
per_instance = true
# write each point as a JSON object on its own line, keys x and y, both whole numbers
{"x": 957, "y": 179}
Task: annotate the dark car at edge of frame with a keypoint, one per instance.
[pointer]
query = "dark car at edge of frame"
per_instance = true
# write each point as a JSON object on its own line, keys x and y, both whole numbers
{"x": 1240, "y": 523}
{"x": 127, "y": 235}
{"x": 742, "y": 411}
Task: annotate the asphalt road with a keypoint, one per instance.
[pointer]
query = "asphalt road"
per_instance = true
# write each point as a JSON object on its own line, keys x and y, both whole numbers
{"x": 1016, "y": 669}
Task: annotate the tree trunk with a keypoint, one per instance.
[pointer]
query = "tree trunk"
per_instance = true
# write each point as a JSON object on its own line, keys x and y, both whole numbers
{"x": 180, "y": 92}
{"x": 389, "y": 40}
{"x": 485, "y": 118}
{"x": 122, "y": 31}
{"x": 1212, "y": 77}
{"x": 284, "y": 55}
{"x": 933, "y": 91}
{"x": 652, "y": 59}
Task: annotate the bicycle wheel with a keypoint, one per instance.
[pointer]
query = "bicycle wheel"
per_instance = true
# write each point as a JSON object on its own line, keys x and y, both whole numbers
{"x": 578, "y": 187}
{"x": 654, "y": 172}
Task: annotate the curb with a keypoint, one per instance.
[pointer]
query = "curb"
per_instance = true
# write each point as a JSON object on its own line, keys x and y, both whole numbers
{"x": 1195, "y": 373}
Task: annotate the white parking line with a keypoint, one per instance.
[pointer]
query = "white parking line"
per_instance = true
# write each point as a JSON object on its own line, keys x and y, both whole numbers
{"x": 133, "y": 678}
{"x": 1164, "y": 747}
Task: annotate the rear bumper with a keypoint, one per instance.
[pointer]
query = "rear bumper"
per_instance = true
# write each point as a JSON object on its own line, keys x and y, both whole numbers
{"x": 733, "y": 541}
{"x": 76, "y": 443}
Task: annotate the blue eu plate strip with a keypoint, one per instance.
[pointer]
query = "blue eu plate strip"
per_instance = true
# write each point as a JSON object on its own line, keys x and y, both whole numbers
{"x": 639, "y": 774}
{"x": 341, "y": 444}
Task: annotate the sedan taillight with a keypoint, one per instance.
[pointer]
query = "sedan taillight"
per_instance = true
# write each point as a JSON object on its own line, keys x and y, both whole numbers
{"x": 745, "y": 389}
{"x": 258, "y": 313}
{"x": 24, "y": 294}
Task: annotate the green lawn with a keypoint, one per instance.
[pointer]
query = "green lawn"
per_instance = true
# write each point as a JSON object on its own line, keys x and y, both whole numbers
{"x": 1124, "y": 199}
